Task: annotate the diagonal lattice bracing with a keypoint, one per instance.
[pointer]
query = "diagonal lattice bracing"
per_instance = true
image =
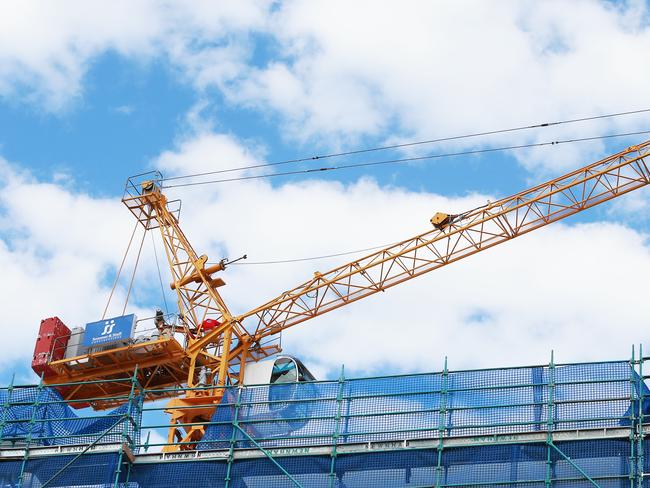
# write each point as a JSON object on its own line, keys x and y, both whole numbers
{"x": 473, "y": 232}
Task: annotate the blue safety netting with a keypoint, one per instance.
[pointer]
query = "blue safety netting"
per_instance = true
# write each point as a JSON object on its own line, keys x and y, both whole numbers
{"x": 607, "y": 462}
{"x": 463, "y": 403}
{"x": 86, "y": 471}
{"x": 41, "y": 416}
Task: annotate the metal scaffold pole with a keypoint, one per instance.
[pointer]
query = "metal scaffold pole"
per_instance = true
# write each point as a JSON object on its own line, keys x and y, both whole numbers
{"x": 442, "y": 424}
{"x": 640, "y": 461}
{"x": 337, "y": 426}
{"x": 127, "y": 441}
{"x": 32, "y": 422}
{"x": 233, "y": 437}
{"x": 552, "y": 414}
{"x": 5, "y": 406}
{"x": 549, "y": 421}
{"x": 632, "y": 460}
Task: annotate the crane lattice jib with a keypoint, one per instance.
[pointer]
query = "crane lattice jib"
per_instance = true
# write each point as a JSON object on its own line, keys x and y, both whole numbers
{"x": 464, "y": 235}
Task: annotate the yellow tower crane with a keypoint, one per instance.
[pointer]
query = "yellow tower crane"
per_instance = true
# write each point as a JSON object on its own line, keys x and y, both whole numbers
{"x": 223, "y": 343}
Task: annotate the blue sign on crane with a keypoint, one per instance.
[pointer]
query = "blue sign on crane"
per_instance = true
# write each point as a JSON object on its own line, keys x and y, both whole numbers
{"x": 108, "y": 331}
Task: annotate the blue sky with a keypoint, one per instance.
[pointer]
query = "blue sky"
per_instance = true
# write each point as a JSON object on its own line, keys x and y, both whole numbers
{"x": 129, "y": 113}
{"x": 190, "y": 87}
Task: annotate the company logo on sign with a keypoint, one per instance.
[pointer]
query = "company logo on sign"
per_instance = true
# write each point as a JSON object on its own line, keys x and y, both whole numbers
{"x": 108, "y": 328}
{"x": 116, "y": 329}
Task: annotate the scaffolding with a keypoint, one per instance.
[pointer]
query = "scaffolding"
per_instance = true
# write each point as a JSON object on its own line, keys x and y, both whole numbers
{"x": 552, "y": 425}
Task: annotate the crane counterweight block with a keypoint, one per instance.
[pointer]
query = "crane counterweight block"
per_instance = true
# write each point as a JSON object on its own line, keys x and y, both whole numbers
{"x": 51, "y": 343}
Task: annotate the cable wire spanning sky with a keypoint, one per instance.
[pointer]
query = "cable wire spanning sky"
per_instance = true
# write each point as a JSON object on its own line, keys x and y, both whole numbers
{"x": 368, "y": 164}
{"x": 274, "y": 100}
{"x": 426, "y": 142}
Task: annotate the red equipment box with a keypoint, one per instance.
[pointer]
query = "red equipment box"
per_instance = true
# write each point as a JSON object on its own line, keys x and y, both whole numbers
{"x": 53, "y": 337}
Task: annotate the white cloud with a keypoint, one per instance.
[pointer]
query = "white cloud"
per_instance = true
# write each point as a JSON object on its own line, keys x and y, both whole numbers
{"x": 46, "y": 49}
{"x": 338, "y": 71}
{"x": 573, "y": 288}
{"x": 124, "y": 109}
{"x": 576, "y": 289}
{"x": 205, "y": 152}
{"x": 57, "y": 250}
{"x": 335, "y": 72}
{"x": 435, "y": 69}
{"x": 512, "y": 305}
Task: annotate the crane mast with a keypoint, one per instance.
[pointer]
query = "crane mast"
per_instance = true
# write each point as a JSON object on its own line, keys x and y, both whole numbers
{"x": 225, "y": 343}
{"x": 199, "y": 302}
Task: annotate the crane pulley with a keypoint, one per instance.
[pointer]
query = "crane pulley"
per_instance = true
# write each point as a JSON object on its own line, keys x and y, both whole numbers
{"x": 223, "y": 343}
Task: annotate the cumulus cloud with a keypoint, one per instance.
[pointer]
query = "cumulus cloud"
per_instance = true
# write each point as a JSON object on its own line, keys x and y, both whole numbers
{"x": 573, "y": 288}
{"x": 577, "y": 289}
{"x": 425, "y": 70}
{"x": 59, "y": 250}
{"x": 46, "y": 49}
{"x": 336, "y": 74}
{"x": 339, "y": 72}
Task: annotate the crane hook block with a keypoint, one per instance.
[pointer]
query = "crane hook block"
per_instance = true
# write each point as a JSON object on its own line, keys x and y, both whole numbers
{"x": 440, "y": 220}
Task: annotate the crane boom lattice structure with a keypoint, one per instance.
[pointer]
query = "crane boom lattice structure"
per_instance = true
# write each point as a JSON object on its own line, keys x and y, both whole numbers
{"x": 455, "y": 237}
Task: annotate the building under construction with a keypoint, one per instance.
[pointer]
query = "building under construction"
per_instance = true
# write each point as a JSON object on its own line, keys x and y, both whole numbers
{"x": 204, "y": 398}
{"x": 568, "y": 425}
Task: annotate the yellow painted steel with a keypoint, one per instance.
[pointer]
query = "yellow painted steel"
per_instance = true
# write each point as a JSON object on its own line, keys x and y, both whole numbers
{"x": 225, "y": 348}
{"x": 440, "y": 220}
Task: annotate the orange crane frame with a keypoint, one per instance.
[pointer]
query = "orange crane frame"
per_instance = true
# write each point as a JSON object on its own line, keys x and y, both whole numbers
{"x": 228, "y": 345}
